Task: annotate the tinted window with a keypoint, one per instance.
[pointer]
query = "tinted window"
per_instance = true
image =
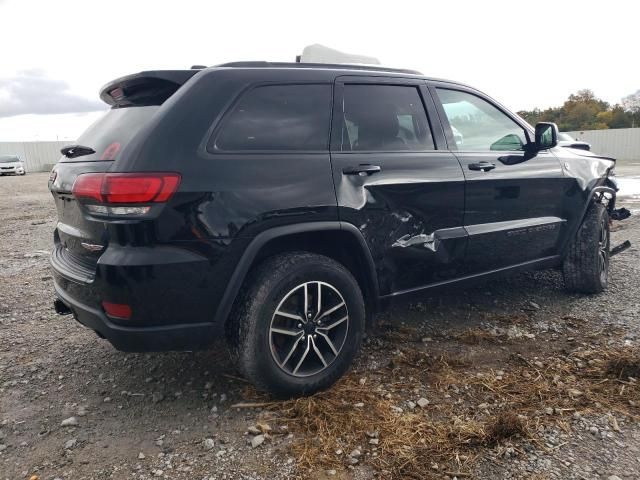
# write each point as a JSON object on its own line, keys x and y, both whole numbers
{"x": 278, "y": 117}
{"x": 384, "y": 118}
{"x": 112, "y": 132}
{"x": 477, "y": 125}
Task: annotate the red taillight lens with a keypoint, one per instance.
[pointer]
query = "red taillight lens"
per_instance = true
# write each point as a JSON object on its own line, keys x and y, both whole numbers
{"x": 89, "y": 186}
{"x": 117, "y": 310}
{"x": 126, "y": 187}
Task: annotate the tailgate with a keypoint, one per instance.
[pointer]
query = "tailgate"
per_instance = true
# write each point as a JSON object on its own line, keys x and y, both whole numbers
{"x": 80, "y": 239}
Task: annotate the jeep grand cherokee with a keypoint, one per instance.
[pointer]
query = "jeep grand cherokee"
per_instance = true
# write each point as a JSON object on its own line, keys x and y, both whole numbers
{"x": 283, "y": 205}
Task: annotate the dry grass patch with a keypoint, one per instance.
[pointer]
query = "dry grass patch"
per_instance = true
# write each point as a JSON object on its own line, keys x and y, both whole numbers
{"x": 476, "y": 335}
{"x": 624, "y": 364}
{"x": 471, "y": 409}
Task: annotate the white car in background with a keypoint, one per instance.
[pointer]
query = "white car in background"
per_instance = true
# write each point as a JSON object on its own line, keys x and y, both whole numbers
{"x": 567, "y": 141}
{"x": 11, "y": 165}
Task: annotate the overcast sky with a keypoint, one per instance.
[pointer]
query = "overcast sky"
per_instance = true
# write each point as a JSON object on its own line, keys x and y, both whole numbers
{"x": 55, "y": 55}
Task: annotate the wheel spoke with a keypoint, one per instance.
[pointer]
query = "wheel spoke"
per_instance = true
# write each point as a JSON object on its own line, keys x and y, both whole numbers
{"x": 293, "y": 349}
{"x": 334, "y": 324}
{"x": 329, "y": 342}
{"x": 304, "y": 355}
{"x": 331, "y": 310}
{"x": 317, "y": 350}
{"x": 291, "y": 315}
{"x": 306, "y": 299}
{"x": 284, "y": 331}
{"x": 319, "y": 309}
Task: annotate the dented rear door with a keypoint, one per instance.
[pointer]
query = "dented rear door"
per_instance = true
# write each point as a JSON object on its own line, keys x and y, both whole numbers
{"x": 404, "y": 194}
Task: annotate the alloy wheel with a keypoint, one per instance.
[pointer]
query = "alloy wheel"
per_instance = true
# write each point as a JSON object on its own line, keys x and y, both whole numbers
{"x": 308, "y": 329}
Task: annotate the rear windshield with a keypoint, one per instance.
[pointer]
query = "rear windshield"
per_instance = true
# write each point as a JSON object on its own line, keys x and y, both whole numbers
{"x": 113, "y": 131}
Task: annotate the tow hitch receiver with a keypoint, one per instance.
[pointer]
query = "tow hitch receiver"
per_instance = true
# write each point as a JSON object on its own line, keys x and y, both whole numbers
{"x": 60, "y": 307}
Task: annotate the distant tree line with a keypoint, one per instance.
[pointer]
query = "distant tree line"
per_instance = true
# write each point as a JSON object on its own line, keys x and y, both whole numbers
{"x": 584, "y": 111}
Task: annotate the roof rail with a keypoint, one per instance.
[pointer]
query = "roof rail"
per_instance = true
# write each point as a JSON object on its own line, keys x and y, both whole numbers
{"x": 341, "y": 66}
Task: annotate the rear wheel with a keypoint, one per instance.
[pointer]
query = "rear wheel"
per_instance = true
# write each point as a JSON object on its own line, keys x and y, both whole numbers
{"x": 586, "y": 266}
{"x": 297, "y": 325}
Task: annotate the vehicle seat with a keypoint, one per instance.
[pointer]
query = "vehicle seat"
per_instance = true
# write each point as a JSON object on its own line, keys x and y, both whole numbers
{"x": 379, "y": 130}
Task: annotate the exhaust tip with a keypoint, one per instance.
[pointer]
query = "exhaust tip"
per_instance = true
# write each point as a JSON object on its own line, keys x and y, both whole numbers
{"x": 60, "y": 307}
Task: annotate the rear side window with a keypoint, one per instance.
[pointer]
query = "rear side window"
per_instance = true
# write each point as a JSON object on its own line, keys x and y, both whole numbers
{"x": 385, "y": 118}
{"x": 113, "y": 131}
{"x": 277, "y": 117}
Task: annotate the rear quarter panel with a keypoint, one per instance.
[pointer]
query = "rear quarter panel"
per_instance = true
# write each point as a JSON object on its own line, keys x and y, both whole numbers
{"x": 224, "y": 199}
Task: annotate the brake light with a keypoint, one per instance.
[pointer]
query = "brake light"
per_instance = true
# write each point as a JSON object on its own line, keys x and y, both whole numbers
{"x": 127, "y": 188}
{"x": 117, "y": 310}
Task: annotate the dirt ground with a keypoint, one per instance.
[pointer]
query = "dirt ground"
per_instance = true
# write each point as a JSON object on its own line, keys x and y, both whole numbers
{"x": 514, "y": 378}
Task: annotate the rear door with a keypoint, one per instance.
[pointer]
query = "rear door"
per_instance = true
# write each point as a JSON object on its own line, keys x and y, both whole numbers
{"x": 514, "y": 198}
{"x": 392, "y": 181}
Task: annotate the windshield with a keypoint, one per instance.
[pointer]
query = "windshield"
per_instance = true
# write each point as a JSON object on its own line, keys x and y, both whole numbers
{"x": 8, "y": 158}
{"x": 112, "y": 132}
{"x": 565, "y": 137}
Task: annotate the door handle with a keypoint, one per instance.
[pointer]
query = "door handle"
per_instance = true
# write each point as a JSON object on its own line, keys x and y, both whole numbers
{"x": 362, "y": 170}
{"x": 482, "y": 166}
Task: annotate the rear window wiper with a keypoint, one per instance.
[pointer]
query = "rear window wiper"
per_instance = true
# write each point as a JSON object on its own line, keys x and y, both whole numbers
{"x": 73, "y": 151}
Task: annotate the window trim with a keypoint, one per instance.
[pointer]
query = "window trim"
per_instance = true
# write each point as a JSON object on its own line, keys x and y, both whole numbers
{"x": 212, "y": 136}
{"x": 337, "y": 125}
{"x": 444, "y": 120}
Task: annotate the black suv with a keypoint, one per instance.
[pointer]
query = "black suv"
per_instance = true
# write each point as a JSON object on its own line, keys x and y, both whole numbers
{"x": 283, "y": 205}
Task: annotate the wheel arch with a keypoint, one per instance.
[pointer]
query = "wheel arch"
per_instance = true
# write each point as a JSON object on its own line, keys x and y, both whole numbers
{"x": 338, "y": 240}
{"x": 596, "y": 195}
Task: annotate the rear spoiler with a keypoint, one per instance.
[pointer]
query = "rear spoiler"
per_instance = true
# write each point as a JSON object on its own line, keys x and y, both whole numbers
{"x": 144, "y": 88}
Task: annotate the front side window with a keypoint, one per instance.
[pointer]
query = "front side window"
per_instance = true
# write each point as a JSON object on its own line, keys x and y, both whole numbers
{"x": 278, "y": 117}
{"x": 385, "y": 118}
{"x": 479, "y": 126}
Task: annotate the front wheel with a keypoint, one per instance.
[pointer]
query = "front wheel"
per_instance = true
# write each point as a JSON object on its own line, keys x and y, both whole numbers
{"x": 297, "y": 324}
{"x": 586, "y": 266}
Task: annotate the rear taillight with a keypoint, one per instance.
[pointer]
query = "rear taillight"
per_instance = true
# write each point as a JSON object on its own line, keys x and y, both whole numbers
{"x": 99, "y": 191}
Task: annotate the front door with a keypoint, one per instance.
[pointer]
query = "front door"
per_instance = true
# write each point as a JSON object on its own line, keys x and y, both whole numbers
{"x": 394, "y": 181}
{"x": 514, "y": 198}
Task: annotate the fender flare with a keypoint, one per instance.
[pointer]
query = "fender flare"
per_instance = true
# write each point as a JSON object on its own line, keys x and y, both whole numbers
{"x": 249, "y": 255}
{"x": 591, "y": 199}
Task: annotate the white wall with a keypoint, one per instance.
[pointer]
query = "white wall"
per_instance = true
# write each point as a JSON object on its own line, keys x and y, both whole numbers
{"x": 620, "y": 143}
{"x": 37, "y": 156}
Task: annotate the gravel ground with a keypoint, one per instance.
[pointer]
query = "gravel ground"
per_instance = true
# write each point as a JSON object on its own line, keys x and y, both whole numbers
{"x": 72, "y": 407}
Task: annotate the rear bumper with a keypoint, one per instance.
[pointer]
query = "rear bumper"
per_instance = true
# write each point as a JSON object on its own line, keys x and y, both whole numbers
{"x": 139, "y": 339}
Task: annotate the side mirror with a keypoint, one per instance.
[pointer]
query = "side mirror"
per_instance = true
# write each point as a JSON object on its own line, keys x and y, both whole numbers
{"x": 546, "y": 135}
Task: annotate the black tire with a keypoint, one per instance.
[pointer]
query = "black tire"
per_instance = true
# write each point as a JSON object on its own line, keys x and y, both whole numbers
{"x": 586, "y": 266}
{"x": 279, "y": 283}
